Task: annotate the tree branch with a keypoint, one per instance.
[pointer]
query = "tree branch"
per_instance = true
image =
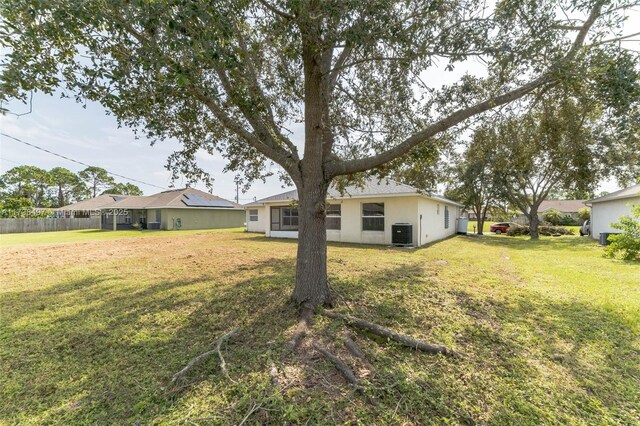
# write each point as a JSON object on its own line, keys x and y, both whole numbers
{"x": 265, "y": 144}
{"x": 335, "y": 71}
{"x": 252, "y": 75}
{"x": 276, "y": 11}
{"x": 343, "y": 167}
{"x": 180, "y": 375}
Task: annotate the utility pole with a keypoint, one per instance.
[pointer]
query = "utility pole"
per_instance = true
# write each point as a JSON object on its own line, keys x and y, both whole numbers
{"x": 237, "y": 193}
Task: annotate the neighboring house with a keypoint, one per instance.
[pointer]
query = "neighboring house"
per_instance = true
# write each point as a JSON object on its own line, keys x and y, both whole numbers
{"x": 362, "y": 215}
{"x": 567, "y": 207}
{"x": 472, "y": 216}
{"x": 186, "y": 208}
{"x": 608, "y": 209}
{"x": 89, "y": 207}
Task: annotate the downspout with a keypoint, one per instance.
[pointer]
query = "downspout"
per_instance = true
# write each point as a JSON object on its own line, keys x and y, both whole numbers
{"x": 420, "y": 234}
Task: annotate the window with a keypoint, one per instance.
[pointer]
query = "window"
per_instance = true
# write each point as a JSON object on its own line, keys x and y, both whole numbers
{"x": 284, "y": 219}
{"x": 446, "y": 217}
{"x": 333, "y": 220}
{"x": 373, "y": 216}
{"x": 253, "y": 215}
{"x": 290, "y": 217}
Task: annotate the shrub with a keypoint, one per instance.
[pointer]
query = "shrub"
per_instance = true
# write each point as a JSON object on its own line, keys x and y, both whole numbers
{"x": 584, "y": 213}
{"x": 552, "y": 216}
{"x": 555, "y": 231}
{"x": 516, "y": 230}
{"x": 627, "y": 244}
{"x": 568, "y": 220}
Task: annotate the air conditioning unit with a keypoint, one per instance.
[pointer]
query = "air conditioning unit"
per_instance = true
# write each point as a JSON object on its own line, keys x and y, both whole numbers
{"x": 402, "y": 234}
{"x": 153, "y": 225}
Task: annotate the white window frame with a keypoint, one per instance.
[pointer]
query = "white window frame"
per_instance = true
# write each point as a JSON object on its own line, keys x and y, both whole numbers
{"x": 372, "y": 217}
{"x": 333, "y": 215}
{"x": 446, "y": 217}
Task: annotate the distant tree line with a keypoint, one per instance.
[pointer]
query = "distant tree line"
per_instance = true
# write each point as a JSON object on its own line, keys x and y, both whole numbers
{"x": 25, "y": 187}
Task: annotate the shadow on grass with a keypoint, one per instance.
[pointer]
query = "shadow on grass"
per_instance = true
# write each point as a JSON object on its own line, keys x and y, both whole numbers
{"x": 261, "y": 238}
{"x": 101, "y": 349}
{"x": 532, "y": 359}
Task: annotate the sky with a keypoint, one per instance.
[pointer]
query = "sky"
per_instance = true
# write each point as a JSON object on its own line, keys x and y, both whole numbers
{"x": 86, "y": 133}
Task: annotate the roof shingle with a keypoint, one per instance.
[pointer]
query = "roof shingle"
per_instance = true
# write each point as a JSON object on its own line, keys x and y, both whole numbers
{"x": 174, "y": 198}
{"x": 371, "y": 187}
{"x": 565, "y": 206}
{"x": 632, "y": 191}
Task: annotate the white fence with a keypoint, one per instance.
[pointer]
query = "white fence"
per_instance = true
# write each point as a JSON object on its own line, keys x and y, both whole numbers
{"x": 21, "y": 225}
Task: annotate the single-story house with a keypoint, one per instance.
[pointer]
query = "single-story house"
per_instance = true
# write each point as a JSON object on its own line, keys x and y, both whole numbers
{"x": 364, "y": 214}
{"x": 608, "y": 209}
{"x": 89, "y": 207}
{"x": 186, "y": 208}
{"x": 566, "y": 207}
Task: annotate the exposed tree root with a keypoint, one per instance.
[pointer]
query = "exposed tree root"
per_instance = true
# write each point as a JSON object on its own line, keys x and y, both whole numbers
{"x": 180, "y": 375}
{"x": 352, "y": 346}
{"x": 342, "y": 367}
{"x": 273, "y": 371}
{"x": 356, "y": 352}
{"x": 304, "y": 324}
{"x": 385, "y": 332}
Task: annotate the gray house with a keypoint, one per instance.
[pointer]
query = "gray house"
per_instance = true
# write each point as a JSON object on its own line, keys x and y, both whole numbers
{"x": 185, "y": 208}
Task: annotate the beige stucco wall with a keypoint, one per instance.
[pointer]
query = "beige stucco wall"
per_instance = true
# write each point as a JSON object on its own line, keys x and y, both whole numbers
{"x": 607, "y": 212}
{"x": 261, "y": 224}
{"x": 432, "y": 228}
{"x": 397, "y": 210}
{"x": 151, "y": 215}
{"x": 200, "y": 218}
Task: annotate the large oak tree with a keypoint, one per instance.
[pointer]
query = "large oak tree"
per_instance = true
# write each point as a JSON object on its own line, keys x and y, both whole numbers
{"x": 232, "y": 76}
{"x": 559, "y": 144}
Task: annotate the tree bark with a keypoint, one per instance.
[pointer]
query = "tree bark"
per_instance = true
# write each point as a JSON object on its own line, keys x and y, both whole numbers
{"x": 480, "y": 220}
{"x": 60, "y": 197}
{"x": 311, "y": 264}
{"x": 390, "y": 334}
{"x": 312, "y": 288}
{"x": 533, "y": 223}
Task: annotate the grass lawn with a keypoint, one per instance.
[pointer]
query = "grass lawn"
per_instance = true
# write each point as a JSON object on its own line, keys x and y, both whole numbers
{"x": 12, "y": 240}
{"x": 472, "y": 226}
{"x": 91, "y": 332}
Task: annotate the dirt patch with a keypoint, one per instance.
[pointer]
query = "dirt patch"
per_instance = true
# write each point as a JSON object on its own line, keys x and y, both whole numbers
{"x": 207, "y": 251}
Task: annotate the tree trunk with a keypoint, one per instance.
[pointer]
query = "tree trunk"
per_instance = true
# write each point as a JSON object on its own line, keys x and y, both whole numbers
{"x": 479, "y": 220}
{"x": 60, "y": 197}
{"x": 533, "y": 223}
{"x": 312, "y": 287}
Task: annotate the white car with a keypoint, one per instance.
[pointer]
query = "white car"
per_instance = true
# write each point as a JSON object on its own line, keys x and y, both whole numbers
{"x": 585, "y": 229}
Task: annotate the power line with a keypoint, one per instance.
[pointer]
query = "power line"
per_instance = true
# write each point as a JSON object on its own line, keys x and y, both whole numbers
{"x": 78, "y": 162}
{"x": 11, "y": 161}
